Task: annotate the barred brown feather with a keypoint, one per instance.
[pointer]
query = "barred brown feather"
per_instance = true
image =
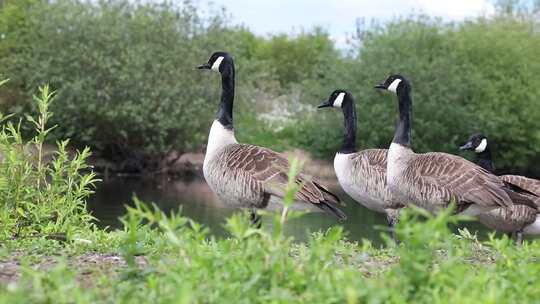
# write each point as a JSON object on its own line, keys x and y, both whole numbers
{"x": 242, "y": 174}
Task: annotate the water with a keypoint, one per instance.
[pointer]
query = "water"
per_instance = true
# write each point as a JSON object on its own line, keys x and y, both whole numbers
{"x": 198, "y": 202}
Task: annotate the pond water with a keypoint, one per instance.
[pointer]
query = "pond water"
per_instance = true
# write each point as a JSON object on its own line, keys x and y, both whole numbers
{"x": 196, "y": 200}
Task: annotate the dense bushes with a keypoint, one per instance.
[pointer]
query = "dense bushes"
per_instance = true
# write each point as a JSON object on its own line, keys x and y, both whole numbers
{"x": 126, "y": 84}
{"x": 476, "y": 76}
{"x": 124, "y": 73}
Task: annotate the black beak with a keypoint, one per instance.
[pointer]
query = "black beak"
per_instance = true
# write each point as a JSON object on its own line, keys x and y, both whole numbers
{"x": 467, "y": 146}
{"x": 325, "y": 104}
{"x": 205, "y": 66}
{"x": 381, "y": 86}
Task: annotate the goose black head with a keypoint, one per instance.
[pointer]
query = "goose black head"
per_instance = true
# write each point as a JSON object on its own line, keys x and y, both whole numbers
{"x": 217, "y": 62}
{"x": 394, "y": 83}
{"x": 477, "y": 143}
{"x": 337, "y": 99}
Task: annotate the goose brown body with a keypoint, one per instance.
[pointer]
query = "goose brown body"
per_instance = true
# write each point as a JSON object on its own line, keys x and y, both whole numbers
{"x": 434, "y": 180}
{"x": 511, "y": 219}
{"x": 363, "y": 177}
{"x": 254, "y": 177}
{"x": 530, "y": 185}
{"x": 515, "y": 218}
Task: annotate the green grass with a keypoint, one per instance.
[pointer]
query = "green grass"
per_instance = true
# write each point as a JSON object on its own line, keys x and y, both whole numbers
{"x": 163, "y": 259}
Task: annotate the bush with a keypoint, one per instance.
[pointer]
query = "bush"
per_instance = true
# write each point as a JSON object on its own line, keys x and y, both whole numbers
{"x": 42, "y": 193}
{"x": 466, "y": 78}
{"x": 124, "y": 72}
{"x": 127, "y": 88}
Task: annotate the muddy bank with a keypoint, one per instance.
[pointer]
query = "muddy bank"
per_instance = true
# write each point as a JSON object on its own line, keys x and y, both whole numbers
{"x": 88, "y": 266}
{"x": 177, "y": 164}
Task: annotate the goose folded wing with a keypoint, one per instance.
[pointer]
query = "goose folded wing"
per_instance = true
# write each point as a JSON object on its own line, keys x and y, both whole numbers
{"x": 525, "y": 186}
{"x": 373, "y": 162}
{"x": 528, "y": 184}
{"x": 449, "y": 177}
{"x": 369, "y": 175}
{"x": 376, "y": 158}
{"x": 369, "y": 164}
{"x": 270, "y": 171}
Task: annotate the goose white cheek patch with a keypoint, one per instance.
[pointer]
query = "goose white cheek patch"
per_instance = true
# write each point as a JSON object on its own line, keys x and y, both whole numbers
{"x": 217, "y": 63}
{"x": 481, "y": 147}
{"x": 339, "y": 100}
{"x": 393, "y": 86}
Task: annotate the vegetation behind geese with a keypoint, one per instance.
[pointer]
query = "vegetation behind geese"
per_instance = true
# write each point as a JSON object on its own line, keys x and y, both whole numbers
{"x": 467, "y": 81}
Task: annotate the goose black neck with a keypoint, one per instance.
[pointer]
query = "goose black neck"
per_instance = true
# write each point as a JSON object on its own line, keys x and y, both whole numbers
{"x": 225, "y": 112}
{"x": 484, "y": 160}
{"x": 349, "y": 134}
{"x": 402, "y": 135}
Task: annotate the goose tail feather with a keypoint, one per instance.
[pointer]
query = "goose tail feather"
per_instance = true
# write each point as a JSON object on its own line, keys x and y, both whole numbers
{"x": 332, "y": 209}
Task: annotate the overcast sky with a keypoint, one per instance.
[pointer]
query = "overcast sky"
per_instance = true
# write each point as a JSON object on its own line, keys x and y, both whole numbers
{"x": 339, "y": 17}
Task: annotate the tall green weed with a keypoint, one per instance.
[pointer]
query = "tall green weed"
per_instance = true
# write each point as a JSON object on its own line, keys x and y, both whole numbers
{"x": 43, "y": 190}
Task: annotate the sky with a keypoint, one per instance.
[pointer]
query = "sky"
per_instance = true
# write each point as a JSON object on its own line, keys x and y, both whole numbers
{"x": 339, "y": 16}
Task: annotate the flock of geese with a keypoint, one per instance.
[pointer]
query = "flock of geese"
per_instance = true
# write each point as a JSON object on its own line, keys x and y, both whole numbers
{"x": 383, "y": 180}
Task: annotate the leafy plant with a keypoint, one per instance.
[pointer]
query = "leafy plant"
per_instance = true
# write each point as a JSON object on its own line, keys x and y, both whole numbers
{"x": 42, "y": 190}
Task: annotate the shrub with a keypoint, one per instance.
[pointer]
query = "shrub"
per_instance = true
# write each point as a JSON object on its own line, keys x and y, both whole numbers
{"x": 124, "y": 72}
{"x": 466, "y": 78}
{"x": 126, "y": 84}
{"x": 42, "y": 192}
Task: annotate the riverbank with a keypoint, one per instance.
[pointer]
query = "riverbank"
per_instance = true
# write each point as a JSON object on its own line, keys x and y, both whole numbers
{"x": 177, "y": 164}
{"x": 171, "y": 259}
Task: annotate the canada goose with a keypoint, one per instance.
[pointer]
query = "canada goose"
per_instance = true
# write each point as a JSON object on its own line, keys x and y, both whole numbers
{"x": 513, "y": 220}
{"x": 479, "y": 144}
{"x": 362, "y": 175}
{"x": 433, "y": 180}
{"x": 248, "y": 176}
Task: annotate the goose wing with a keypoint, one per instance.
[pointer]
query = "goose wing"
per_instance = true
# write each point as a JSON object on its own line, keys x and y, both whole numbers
{"x": 369, "y": 167}
{"x": 371, "y": 162}
{"x": 448, "y": 177}
{"x": 376, "y": 158}
{"x": 530, "y": 185}
{"x": 269, "y": 170}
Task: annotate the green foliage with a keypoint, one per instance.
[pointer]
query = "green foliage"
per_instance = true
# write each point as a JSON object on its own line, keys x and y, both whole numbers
{"x": 293, "y": 59}
{"x": 42, "y": 193}
{"x": 466, "y": 78}
{"x": 124, "y": 72}
{"x": 126, "y": 85}
{"x": 256, "y": 266}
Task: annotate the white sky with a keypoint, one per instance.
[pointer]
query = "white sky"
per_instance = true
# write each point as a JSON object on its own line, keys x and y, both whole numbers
{"x": 339, "y": 17}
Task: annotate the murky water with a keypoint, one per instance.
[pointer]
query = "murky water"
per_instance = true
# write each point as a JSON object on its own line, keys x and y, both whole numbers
{"x": 198, "y": 202}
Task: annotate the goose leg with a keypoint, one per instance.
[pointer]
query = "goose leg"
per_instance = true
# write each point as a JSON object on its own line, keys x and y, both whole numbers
{"x": 519, "y": 238}
{"x": 255, "y": 218}
{"x": 392, "y": 217}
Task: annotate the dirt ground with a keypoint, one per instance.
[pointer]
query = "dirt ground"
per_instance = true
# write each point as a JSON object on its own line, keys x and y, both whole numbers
{"x": 88, "y": 265}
